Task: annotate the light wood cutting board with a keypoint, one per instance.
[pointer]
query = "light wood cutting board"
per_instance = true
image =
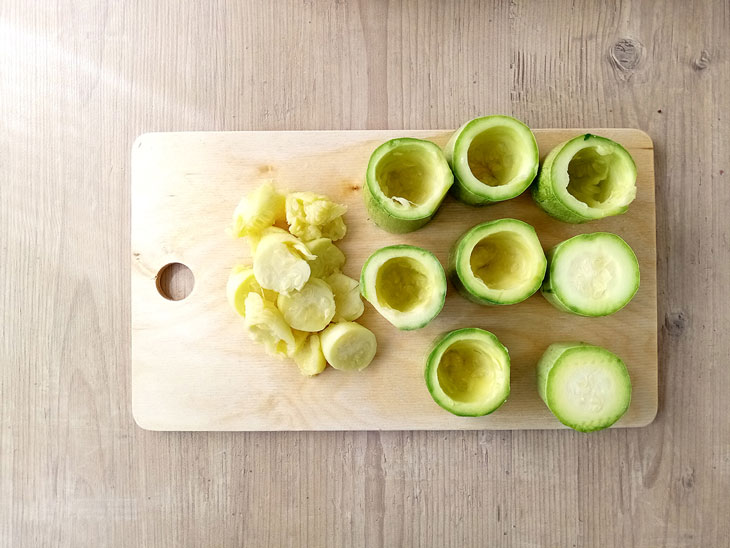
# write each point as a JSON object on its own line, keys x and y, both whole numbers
{"x": 194, "y": 367}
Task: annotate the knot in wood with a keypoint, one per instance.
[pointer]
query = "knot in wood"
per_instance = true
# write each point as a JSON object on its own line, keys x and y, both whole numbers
{"x": 702, "y": 62}
{"x": 675, "y": 323}
{"x": 688, "y": 478}
{"x": 626, "y": 54}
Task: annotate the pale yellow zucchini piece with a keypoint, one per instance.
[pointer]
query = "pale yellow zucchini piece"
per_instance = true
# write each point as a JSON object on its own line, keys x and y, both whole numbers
{"x": 348, "y": 346}
{"x": 329, "y": 258}
{"x": 267, "y": 326}
{"x": 309, "y": 357}
{"x": 309, "y": 309}
{"x": 311, "y": 216}
{"x": 280, "y": 261}
{"x": 349, "y": 305}
{"x": 258, "y": 210}
{"x": 241, "y": 282}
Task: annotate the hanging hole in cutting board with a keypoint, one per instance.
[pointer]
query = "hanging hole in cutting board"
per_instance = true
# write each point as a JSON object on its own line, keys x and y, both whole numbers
{"x": 175, "y": 281}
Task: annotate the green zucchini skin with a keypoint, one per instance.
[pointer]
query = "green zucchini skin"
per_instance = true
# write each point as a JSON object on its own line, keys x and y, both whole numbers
{"x": 388, "y": 222}
{"x": 465, "y": 196}
{"x": 454, "y": 278}
{"x": 544, "y": 194}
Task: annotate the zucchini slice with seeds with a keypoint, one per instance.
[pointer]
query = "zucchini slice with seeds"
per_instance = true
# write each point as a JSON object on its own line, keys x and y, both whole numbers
{"x": 348, "y": 346}
{"x": 586, "y": 387}
{"x": 591, "y": 274}
{"x": 310, "y": 308}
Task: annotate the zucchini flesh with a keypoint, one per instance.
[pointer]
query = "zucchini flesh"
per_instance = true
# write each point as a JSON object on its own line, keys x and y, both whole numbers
{"x": 498, "y": 262}
{"x": 309, "y": 309}
{"x": 348, "y": 346}
{"x": 591, "y": 274}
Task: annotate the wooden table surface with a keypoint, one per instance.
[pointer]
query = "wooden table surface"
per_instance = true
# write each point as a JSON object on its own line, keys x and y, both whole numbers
{"x": 80, "y": 80}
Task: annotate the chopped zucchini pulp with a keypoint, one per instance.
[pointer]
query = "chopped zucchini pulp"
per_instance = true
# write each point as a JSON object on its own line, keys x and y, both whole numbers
{"x": 348, "y": 346}
{"x": 309, "y": 309}
{"x": 468, "y": 372}
{"x": 295, "y": 287}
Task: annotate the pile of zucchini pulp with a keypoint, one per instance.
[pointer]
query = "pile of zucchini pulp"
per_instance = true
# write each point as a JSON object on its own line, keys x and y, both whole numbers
{"x": 501, "y": 262}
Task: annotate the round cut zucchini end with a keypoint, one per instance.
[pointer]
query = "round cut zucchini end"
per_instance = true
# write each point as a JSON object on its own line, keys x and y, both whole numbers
{"x": 586, "y": 387}
{"x": 591, "y": 274}
{"x": 348, "y": 346}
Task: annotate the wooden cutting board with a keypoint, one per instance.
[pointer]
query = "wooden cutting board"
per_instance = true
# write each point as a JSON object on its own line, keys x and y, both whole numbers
{"x": 194, "y": 367}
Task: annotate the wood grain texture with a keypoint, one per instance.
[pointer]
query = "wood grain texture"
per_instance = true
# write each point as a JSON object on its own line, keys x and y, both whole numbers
{"x": 194, "y": 368}
{"x": 80, "y": 80}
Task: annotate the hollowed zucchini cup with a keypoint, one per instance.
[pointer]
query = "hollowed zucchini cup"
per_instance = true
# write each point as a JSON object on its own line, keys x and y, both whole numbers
{"x": 493, "y": 158}
{"x": 586, "y": 178}
{"x": 405, "y": 183}
{"x": 405, "y": 284}
{"x": 498, "y": 262}
{"x": 468, "y": 372}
